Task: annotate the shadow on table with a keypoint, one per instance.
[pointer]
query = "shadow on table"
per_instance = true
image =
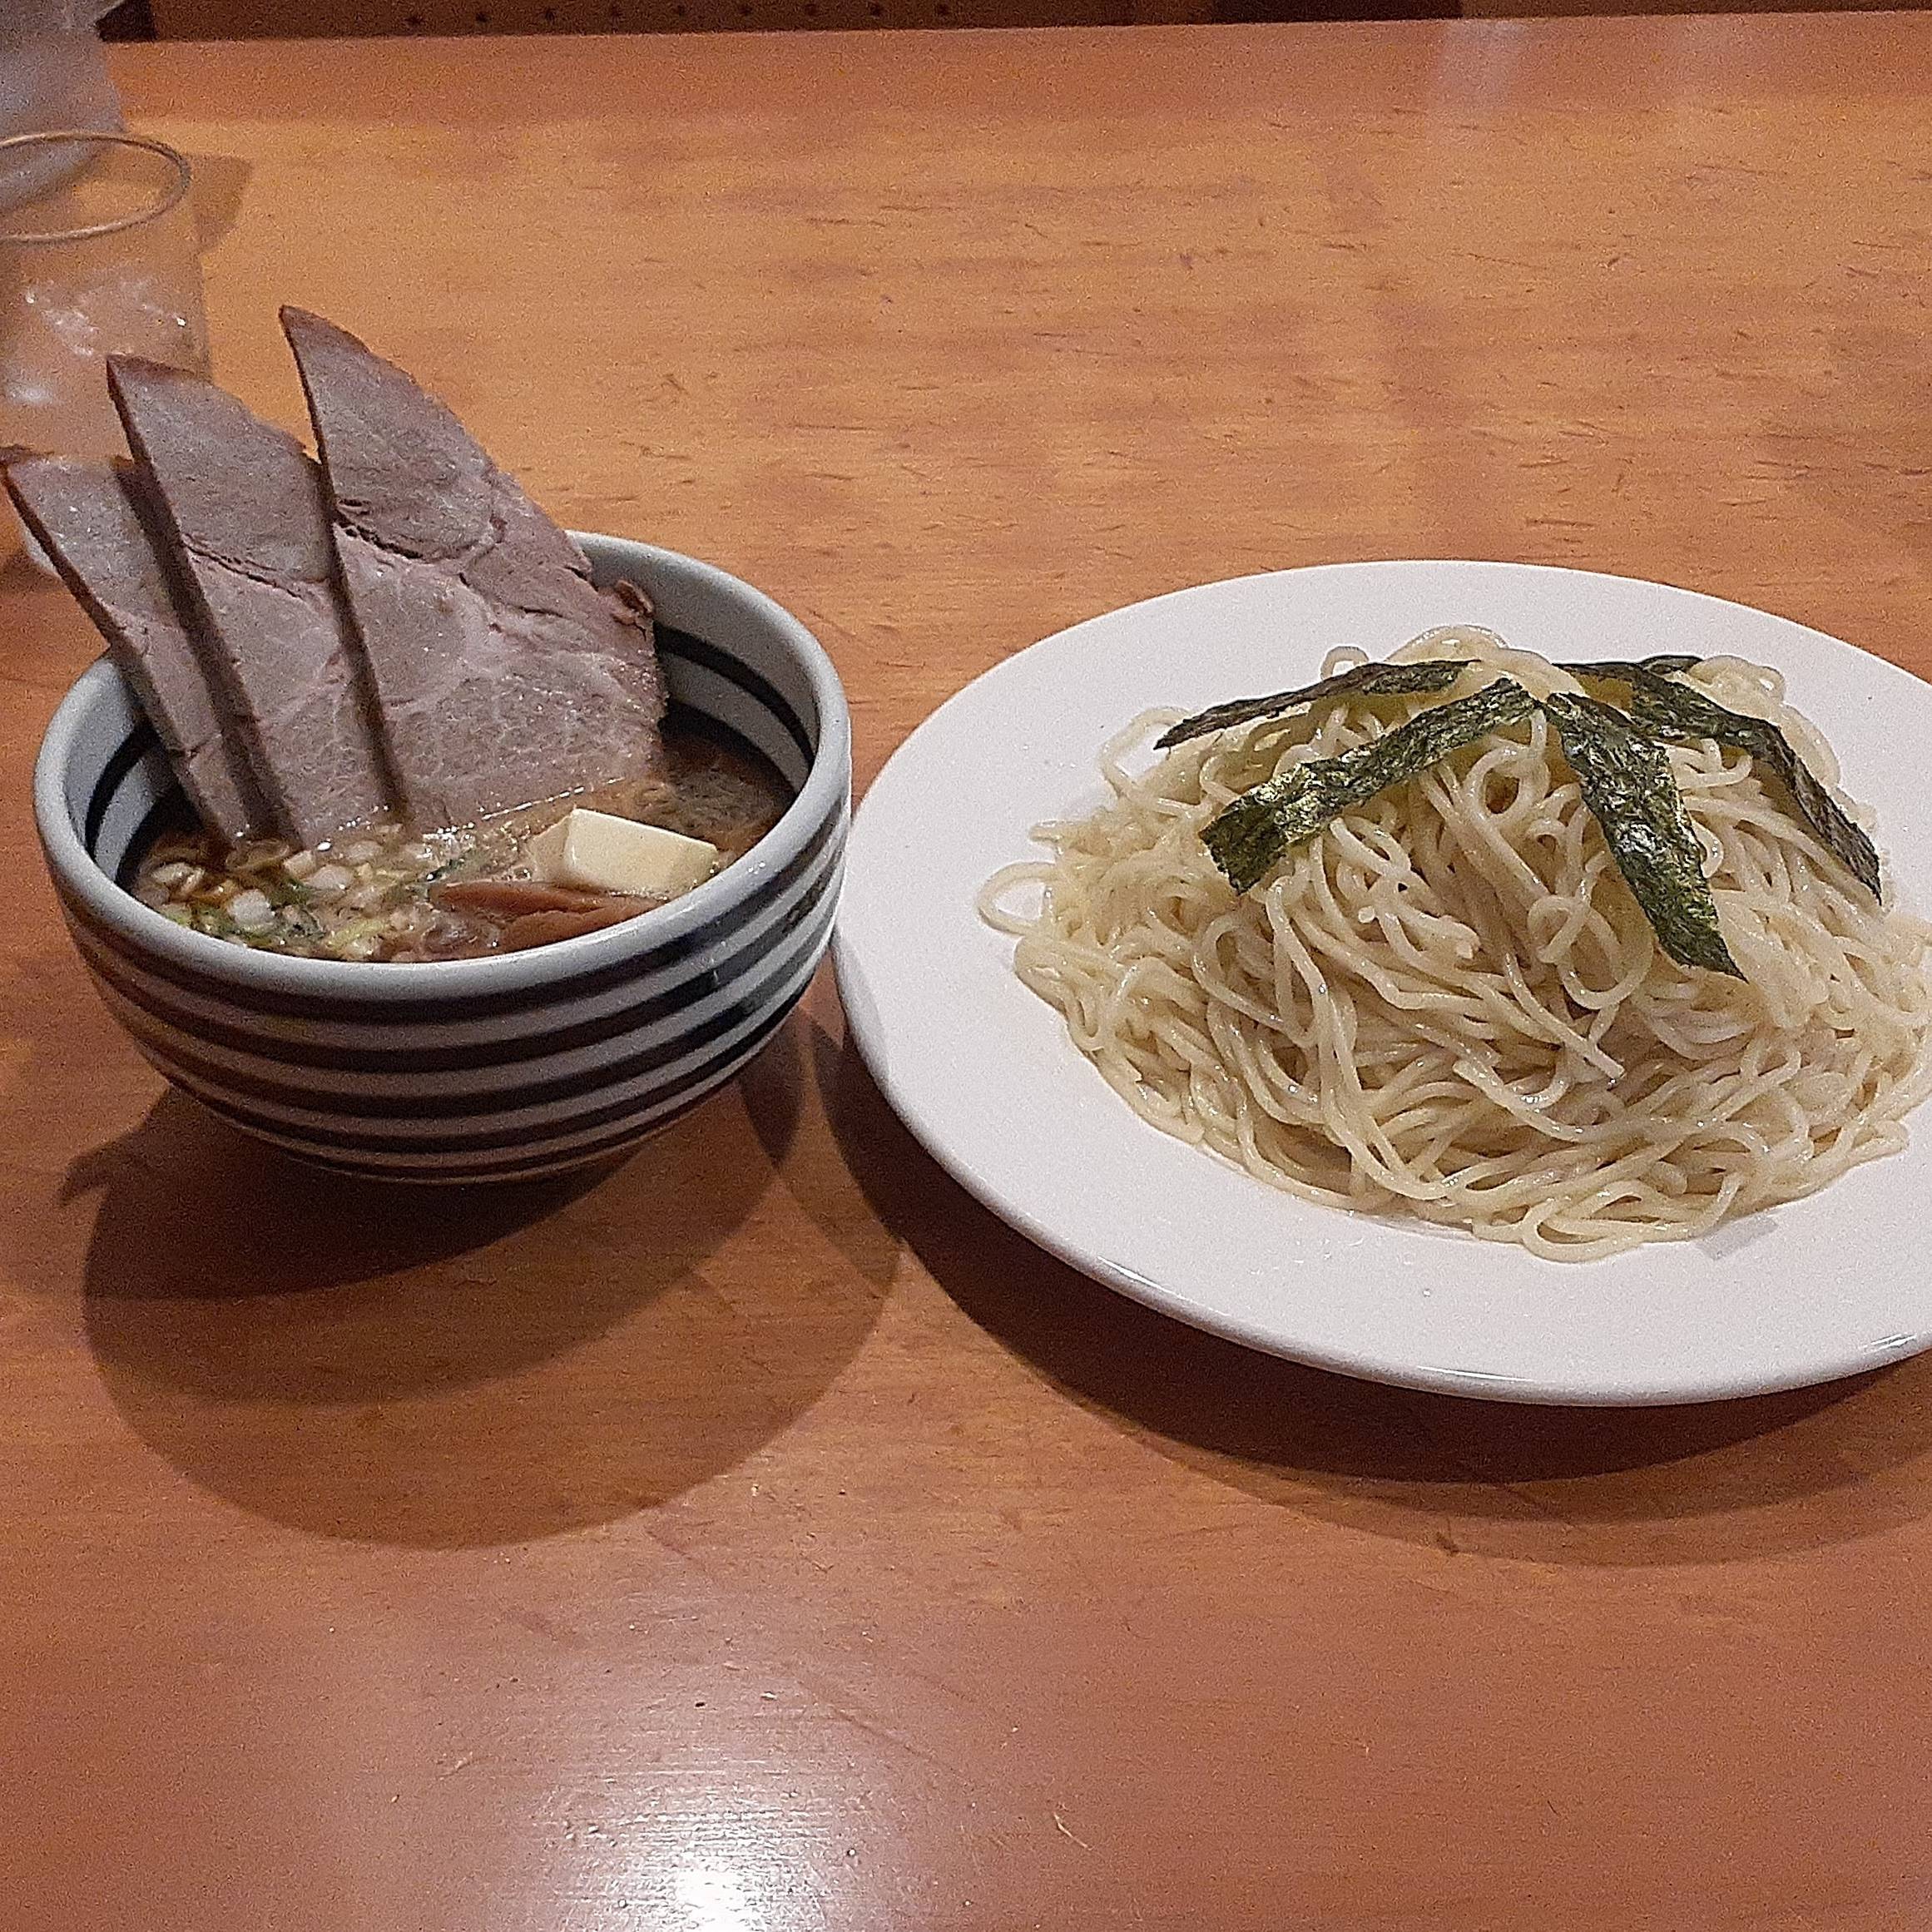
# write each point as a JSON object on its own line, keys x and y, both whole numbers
{"x": 1692, "y": 1484}
{"x": 19, "y": 575}
{"x": 466, "y": 1366}
{"x": 220, "y": 183}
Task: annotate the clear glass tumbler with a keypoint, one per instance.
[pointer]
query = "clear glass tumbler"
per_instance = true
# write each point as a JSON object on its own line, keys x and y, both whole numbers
{"x": 98, "y": 257}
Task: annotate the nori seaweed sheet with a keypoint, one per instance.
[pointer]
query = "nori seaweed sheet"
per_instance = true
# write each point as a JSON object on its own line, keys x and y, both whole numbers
{"x": 1364, "y": 680}
{"x": 1627, "y": 783}
{"x": 1250, "y": 835}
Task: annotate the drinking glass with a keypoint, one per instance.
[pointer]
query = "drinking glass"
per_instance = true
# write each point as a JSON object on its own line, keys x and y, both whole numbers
{"x": 98, "y": 257}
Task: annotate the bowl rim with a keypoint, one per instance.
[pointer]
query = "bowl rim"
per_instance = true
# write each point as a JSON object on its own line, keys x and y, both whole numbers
{"x": 824, "y": 793}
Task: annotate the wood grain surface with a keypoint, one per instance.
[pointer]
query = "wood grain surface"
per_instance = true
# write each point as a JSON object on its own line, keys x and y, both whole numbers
{"x": 760, "y": 1538}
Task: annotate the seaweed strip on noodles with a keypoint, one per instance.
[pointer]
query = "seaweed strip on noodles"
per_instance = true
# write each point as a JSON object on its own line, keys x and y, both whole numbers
{"x": 1364, "y": 681}
{"x": 1251, "y": 834}
{"x": 1627, "y": 783}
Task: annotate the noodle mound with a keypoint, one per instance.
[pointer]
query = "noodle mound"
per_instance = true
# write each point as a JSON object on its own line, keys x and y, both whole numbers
{"x": 1448, "y": 1004}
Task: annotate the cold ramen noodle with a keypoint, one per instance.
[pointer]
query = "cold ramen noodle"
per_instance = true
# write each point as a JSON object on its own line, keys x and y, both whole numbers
{"x": 1579, "y": 956}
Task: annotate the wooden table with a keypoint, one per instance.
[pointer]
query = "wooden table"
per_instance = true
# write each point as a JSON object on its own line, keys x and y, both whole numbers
{"x": 764, "y": 1538}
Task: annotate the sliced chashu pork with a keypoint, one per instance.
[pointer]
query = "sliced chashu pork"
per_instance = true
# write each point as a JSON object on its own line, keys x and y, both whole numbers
{"x": 91, "y": 519}
{"x": 501, "y": 674}
{"x": 244, "y": 511}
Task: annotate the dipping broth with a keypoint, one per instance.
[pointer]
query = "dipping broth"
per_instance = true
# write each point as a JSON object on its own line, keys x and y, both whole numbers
{"x": 384, "y": 892}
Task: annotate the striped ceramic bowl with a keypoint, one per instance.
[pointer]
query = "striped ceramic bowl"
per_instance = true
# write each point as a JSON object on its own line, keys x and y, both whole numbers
{"x": 499, "y": 1069}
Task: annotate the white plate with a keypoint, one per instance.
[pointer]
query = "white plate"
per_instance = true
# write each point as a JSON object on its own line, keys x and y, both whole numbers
{"x": 982, "y": 1070}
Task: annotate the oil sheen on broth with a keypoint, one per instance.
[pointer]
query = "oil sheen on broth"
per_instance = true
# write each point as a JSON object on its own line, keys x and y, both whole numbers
{"x": 383, "y": 892}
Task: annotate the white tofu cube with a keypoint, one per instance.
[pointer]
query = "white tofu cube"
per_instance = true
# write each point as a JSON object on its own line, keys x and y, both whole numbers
{"x": 605, "y": 854}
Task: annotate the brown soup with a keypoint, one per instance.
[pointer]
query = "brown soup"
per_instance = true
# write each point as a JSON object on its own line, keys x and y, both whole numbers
{"x": 384, "y": 892}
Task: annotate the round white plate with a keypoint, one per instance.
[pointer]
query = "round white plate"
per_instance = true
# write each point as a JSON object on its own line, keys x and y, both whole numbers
{"x": 982, "y": 1070}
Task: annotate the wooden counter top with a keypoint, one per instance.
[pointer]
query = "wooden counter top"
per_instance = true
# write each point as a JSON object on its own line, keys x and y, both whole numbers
{"x": 763, "y": 1539}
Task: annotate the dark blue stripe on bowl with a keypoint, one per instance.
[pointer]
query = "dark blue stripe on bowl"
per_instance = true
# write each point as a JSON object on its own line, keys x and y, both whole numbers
{"x": 607, "y": 1147}
{"x": 734, "y": 670}
{"x": 730, "y": 964}
{"x": 134, "y": 747}
{"x": 522, "y": 1137}
{"x": 168, "y": 810}
{"x": 756, "y": 992}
